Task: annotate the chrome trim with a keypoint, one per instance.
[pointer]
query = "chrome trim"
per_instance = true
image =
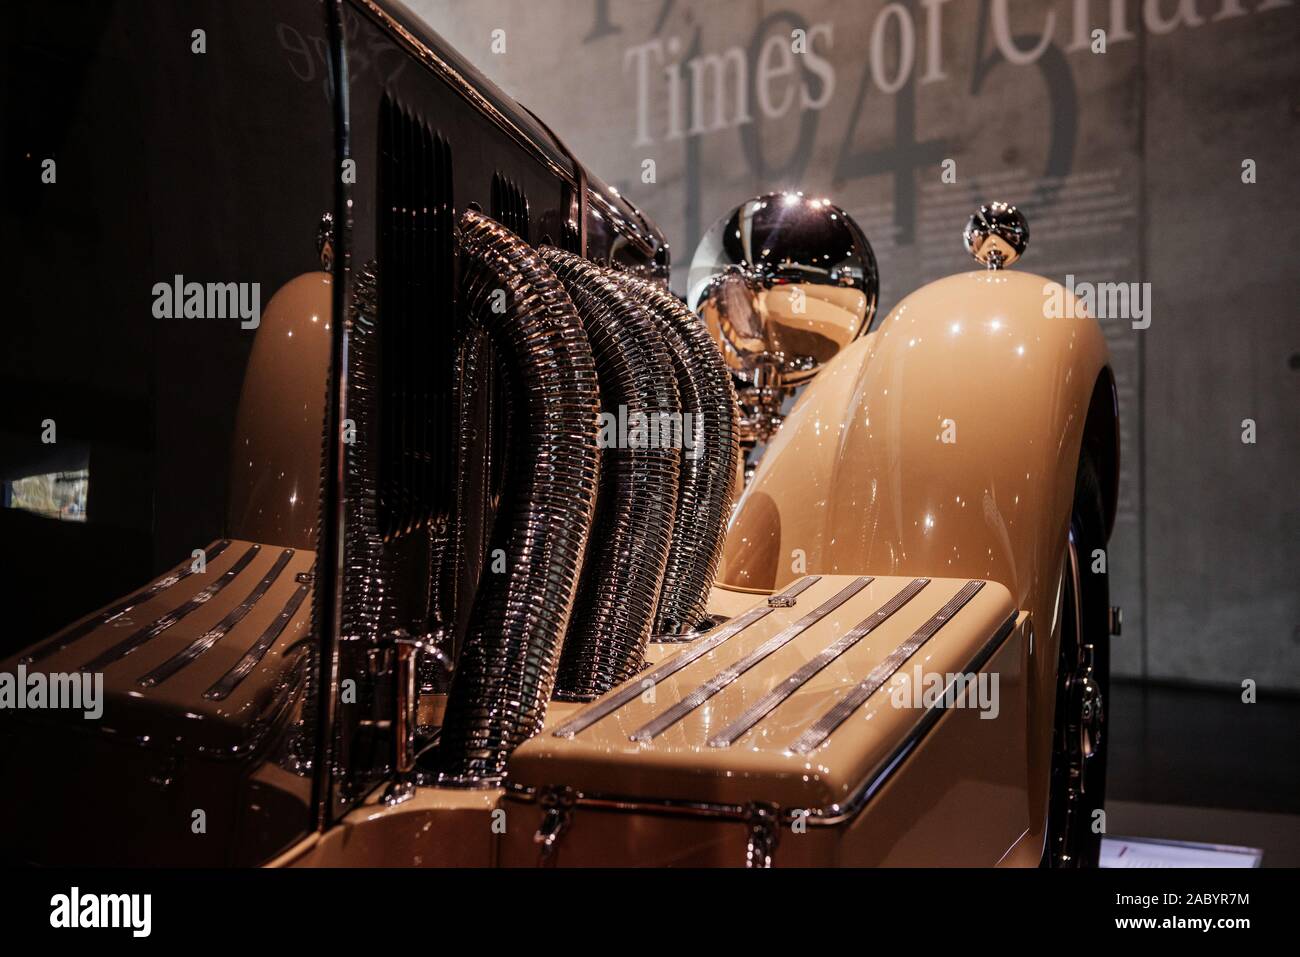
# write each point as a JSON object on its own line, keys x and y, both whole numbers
{"x": 768, "y": 703}
{"x": 327, "y": 594}
{"x": 201, "y": 644}
{"x": 664, "y": 807}
{"x": 584, "y": 203}
{"x": 162, "y": 623}
{"x": 825, "y": 726}
{"x": 705, "y": 626}
{"x": 633, "y": 538}
{"x": 325, "y": 242}
{"x": 851, "y": 806}
{"x": 657, "y": 726}
{"x": 996, "y": 235}
{"x": 245, "y": 665}
{"x": 507, "y": 669}
{"x": 634, "y": 688}
{"x": 764, "y": 833}
{"x": 614, "y": 216}
{"x": 830, "y": 816}
{"x": 407, "y": 699}
{"x": 778, "y": 245}
{"x": 59, "y": 642}
{"x": 556, "y": 819}
{"x": 708, "y": 476}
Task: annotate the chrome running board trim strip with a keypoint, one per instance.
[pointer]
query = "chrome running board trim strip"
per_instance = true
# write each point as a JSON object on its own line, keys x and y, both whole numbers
{"x": 825, "y": 726}
{"x": 244, "y": 667}
{"x": 108, "y": 615}
{"x": 726, "y": 676}
{"x": 829, "y": 816}
{"x": 199, "y": 645}
{"x": 151, "y": 631}
{"x": 768, "y": 703}
{"x": 631, "y": 690}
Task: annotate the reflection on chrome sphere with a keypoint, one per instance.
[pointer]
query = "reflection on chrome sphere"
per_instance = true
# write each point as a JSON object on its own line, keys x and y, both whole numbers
{"x": 787, "y": 274}
{"x": 783, "y": 282}
{"x": 997, "y": 235}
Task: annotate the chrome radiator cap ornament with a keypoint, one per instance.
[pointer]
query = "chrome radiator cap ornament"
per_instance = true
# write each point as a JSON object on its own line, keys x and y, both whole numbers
{"x": 783, "y": 282}
{"x": 996, "y": 235}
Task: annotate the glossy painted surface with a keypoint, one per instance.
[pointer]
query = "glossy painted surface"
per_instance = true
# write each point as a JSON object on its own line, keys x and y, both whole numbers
{"x": 787, "y": 276}
{"x": 176, "y": 709}
{"x": 438, "y": 827}
{"x": 861, "y": 480}
{"x": 958, "y": 801}
{"x": 861, "y": 477}
{"x": 680, "y": 764}
{"x": 170, "y": 745}
{"x": 281, "y": 410}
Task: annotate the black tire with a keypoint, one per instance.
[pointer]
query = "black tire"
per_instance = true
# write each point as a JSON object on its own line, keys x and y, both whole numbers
{"x": 1078, "y": 778}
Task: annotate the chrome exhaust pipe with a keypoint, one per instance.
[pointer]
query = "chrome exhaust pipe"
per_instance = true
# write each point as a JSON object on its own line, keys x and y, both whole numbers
{"x": 632, "y": 533}
{"x": 506, "y": 669}
{"x": 708, "y": 469}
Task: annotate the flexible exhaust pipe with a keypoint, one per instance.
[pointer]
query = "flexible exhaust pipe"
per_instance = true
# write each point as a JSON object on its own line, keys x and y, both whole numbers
{"x": 632, "y": 533}
{"x": 708, "y": 467}
{"x": 506, "y": 669}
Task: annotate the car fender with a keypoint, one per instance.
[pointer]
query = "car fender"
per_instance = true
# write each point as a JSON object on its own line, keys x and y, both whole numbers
{"x": 943, "y": 443}
{"x": 279, "y": 424}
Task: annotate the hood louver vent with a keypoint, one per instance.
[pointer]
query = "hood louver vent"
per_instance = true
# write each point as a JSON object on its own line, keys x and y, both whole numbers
{"x": 510, "y": 206}
{"x": 416, "y": 311}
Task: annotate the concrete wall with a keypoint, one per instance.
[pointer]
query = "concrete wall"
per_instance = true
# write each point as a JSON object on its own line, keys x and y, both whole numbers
{"x": 1128, "y": 164}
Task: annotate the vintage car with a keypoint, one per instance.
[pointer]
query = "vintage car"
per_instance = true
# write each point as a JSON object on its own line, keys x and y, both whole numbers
{"x": 473, "y": 544}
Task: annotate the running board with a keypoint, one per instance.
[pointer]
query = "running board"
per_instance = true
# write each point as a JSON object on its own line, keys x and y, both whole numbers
{"x": 204, "y": 652}
{"x": 807, "y": 705}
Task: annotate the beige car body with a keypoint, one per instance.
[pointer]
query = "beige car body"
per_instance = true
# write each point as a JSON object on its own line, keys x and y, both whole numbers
{"x": 945, "y": 444}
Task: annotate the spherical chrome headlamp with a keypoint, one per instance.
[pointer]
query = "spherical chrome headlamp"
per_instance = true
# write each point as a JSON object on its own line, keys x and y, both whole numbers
{"x": 784, "y": 273}
{"x": 783, "y": 282}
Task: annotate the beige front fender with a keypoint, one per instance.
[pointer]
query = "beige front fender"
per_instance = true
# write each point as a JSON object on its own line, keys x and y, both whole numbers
{"x": 945, "y": 443}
